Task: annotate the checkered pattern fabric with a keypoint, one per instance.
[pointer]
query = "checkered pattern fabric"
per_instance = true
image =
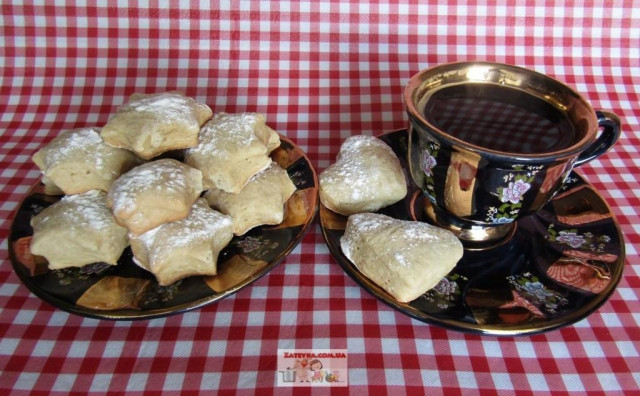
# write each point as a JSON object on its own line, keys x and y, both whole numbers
{"x": 321, "y": 71}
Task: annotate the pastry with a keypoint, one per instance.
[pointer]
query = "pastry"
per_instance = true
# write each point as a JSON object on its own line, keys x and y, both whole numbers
{"x": 187, "y": 247}
{"x": 151, "y": 124}
{"x": 154, "y": 193}
{"x": 50, "y": 187}
{"x": 78, "y": 230}
{"x": 405, "y": 258}
{"x": 274, "y": 140}
{"x": 366, "y": 176}
{"x": 261, "y": 201}
{"x": 79, "y": 160}
{"x": 232, "y": 148}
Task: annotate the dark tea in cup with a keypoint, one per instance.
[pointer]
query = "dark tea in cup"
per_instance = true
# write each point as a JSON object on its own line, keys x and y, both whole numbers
{"x": 499, "y": 118}
{"x": 490, "y": 143}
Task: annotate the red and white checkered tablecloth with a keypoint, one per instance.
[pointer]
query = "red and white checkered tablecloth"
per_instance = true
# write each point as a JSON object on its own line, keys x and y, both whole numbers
{"x": 321, "y": 71}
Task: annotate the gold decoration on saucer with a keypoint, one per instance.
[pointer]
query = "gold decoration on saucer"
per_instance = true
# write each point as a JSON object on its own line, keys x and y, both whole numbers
{"x": 233, "y": 272}
{"x": 299, "y": 207}
{"x": 332, "y": 220}
{"x": 37, "y": 265}
{"x": 114, "y": 292}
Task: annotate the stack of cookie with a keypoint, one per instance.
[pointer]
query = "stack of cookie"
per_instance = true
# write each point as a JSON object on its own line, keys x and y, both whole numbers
{"x": 124, "y": 186}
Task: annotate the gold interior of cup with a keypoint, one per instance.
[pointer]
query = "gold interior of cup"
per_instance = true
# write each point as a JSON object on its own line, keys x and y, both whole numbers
{"x": 520, "y": 82}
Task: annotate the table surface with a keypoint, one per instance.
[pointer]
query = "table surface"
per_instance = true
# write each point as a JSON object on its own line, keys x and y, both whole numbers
{"x": 320, "y": 72}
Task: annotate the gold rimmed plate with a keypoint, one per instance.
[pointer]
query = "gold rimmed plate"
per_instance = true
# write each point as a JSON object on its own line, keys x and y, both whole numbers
{"x": 126, "y": 292}
{"x": 560, "y": 265}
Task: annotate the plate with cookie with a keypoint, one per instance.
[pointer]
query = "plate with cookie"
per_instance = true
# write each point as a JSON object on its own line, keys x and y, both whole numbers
{"x": 559, "y": 266}
{"x": 166, "y": 208}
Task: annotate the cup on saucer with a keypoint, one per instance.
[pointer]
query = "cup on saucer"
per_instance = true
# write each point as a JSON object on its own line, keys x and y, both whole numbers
{"x": 490, "y": 143}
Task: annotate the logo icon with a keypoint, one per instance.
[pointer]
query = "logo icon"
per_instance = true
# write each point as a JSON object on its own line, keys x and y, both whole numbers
{"x": 316, "y": 367}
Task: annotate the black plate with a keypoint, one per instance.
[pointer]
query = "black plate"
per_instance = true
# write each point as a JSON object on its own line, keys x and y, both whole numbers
{"x": 561, "y": 264}
{"x": 126, "y": 291}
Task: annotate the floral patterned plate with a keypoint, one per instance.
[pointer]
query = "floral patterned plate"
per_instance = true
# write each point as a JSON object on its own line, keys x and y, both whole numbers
{"x": 126, "y": 291}
{"x": 561, "y": 264}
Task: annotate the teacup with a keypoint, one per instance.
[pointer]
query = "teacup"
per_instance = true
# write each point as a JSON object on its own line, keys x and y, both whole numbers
{"x": 491, "y": 143}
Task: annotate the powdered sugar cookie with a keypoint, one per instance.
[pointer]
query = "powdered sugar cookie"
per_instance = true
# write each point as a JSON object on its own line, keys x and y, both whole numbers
{"x": 154, "y": 193}
{"x": 150, "y": 124}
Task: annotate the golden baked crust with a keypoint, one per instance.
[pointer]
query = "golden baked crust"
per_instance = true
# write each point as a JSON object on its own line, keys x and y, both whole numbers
{"x": 405, "y": 258}
{"x": 366, "y": 176}
{"x": 261, "y": 201}
{"x": 78, "y": 160}
{"x": 232, "y": 148}
{"x": 154, "y": 193}
{"x": 187, "y": 247}
{"x": 78, "y": 230}
{"x": 151, "y": 124}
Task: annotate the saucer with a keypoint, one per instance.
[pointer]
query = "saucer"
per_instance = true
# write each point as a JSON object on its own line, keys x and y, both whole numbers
{"x": 560, "y": 265}
{"x": 126, "y": 291}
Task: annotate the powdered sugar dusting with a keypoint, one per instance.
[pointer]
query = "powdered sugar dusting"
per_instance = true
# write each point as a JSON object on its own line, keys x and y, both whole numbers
{"x": 168, "y": 106}
{"x": 227, "y": 130}
{"x": 356, "y": 169}
{"x": 85, "y": 211}
{"x": 201, "y": 224}
{"x": 407, "y": 234}
{"x": 73, "y": 143}
{"x": 166, "y": 176}
{"x": 354, "y": 144}
{"x": 90, "y": 209}
{"x": 370, "y": 222}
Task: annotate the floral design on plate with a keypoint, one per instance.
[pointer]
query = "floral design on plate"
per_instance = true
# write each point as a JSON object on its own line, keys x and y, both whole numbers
{"x": 527, "y": 285}
{"x": 156, "y": 293}
{"x": 541, "y": 297}
{"x": 446, "y": 294}
{"x": 569, "y": 182}
{"x": 67, "y": 276}
{"x": 256, "y": 245}
{"x": 576, "y": 240}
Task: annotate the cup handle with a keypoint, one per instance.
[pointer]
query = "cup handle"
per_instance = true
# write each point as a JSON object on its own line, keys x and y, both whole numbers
{"x": 610, "y": 134}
